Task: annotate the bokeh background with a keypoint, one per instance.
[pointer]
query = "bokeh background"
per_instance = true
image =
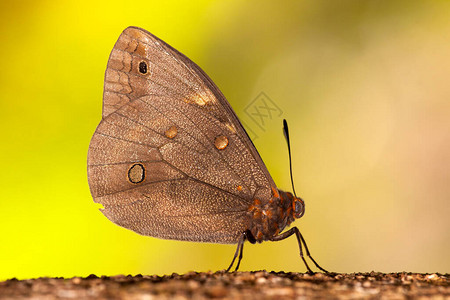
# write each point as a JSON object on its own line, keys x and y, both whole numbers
{"x": 365, "y": 86}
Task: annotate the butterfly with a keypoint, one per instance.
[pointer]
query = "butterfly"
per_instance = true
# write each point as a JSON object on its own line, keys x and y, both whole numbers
{"x": 170, "y": 158}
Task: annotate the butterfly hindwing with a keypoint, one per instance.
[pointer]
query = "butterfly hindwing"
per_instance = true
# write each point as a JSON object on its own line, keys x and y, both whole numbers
{"x": 170, "y": 159}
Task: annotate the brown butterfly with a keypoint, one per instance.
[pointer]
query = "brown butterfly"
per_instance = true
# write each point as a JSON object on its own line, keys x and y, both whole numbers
{"x": 171, "y": 160}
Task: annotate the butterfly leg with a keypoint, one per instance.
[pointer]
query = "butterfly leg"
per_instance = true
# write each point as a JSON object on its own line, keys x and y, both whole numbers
{"x": 307, "y": 251}
{"x": 246, "y": 235}
{"x": 300, "y": 240}
{"x": 239, "y": 249}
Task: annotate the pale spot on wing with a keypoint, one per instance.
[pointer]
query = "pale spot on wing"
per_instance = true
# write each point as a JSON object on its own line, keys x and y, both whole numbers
{"x": 199, "y": 99}
{"x": 171, "y": 132}
{"x": 221, "y": 142}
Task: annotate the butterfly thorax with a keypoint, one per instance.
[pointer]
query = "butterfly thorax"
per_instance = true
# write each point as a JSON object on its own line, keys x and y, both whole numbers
{"x": 269, "y": 219}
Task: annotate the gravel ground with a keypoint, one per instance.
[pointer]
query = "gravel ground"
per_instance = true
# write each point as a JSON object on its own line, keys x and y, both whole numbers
{"x": 238, "y": 285}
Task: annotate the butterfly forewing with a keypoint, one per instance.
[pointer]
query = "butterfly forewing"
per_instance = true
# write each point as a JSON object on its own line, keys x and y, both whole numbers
{"x": 170, "y": 158}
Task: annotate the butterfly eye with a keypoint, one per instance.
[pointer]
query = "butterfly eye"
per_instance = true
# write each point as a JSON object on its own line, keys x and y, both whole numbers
{"x": 143, "y": 68}
{"x": 136, "y": 174}
{"x": 299, "y": 208}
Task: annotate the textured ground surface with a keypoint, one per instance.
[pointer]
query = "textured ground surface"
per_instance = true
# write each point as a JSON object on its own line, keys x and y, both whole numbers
{"x": 239, "y": 285}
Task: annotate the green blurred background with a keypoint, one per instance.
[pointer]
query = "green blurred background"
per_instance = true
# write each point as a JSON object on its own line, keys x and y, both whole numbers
{"x": 365, "y": 86}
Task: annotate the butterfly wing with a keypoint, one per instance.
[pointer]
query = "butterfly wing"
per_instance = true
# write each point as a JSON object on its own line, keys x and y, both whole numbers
{"x": 170, "y": 158}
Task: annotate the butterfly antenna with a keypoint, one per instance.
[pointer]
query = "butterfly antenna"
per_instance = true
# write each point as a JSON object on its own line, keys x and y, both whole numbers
{"x": 286, "y": 135}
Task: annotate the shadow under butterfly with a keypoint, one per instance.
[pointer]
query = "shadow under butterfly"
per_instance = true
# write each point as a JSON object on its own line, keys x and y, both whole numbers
{"x": 171, "y": 160}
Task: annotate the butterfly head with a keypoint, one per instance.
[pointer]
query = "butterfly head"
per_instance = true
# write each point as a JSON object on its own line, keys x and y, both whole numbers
{"x": 295, "y": 206}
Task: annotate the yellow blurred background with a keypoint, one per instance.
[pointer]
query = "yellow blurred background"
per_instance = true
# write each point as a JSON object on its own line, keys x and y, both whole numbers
{"x": 365, "y": 86}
